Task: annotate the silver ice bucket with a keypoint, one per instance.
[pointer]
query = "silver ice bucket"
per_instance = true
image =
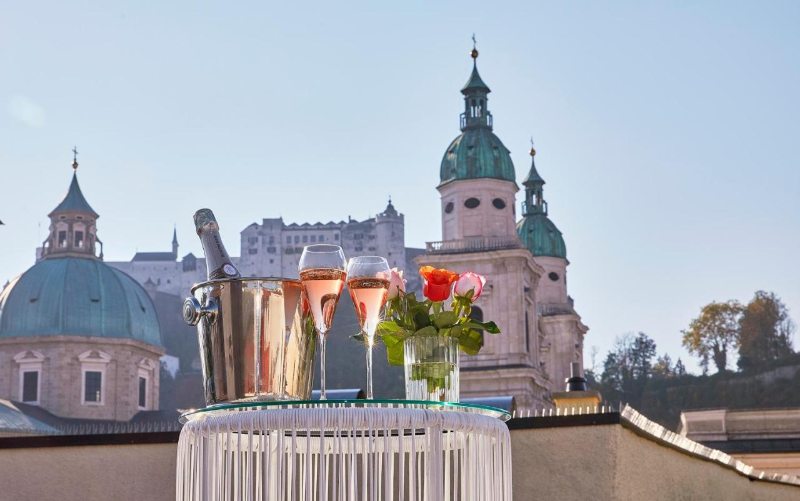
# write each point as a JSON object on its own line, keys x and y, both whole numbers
{"x": 256, "y": 339}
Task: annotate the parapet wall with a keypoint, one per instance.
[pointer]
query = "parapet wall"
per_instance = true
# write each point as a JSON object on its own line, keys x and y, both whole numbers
{"x": 599, "y": 457}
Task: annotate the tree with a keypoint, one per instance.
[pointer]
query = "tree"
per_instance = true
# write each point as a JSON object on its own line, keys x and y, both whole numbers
{"x": 663, "y": 367}
{"x": 641, "y": 353}
{"x": 628, "y": 365}
{"x": 765, "y": 331}
{"x": 714, "y": 333}
{"x": 680, "y": 369}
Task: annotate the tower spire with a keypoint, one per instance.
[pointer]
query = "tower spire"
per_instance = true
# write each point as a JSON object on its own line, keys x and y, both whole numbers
{"x": 476, "y": 114}
{"x": 74, "y": 158}
{"x": 175, "y": 240}
{"x": 534, "y": 189}
{"x": 474, "y": 52}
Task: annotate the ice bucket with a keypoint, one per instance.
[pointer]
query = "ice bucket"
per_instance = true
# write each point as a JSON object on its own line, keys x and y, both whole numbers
{"x": 255, "y": 341}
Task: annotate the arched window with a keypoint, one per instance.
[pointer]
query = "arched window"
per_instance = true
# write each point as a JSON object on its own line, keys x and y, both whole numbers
{"x": 476, "y": 314}
{"x": 93, "y": 375}
{"x": 30, "y": 376}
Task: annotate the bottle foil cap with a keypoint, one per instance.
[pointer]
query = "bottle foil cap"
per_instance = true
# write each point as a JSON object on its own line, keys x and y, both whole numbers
{"x": 203, "y": 217}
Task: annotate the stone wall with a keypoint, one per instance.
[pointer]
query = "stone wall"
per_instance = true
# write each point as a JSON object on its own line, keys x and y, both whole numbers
{"x": 61, "y": 381}
{"x": 597, "y": 462}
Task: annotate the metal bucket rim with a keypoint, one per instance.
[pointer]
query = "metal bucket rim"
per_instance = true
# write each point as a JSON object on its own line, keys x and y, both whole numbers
{"x": 243, "y": 279}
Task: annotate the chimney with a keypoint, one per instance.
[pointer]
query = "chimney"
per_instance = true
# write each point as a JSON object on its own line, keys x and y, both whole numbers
{"x": 577, "y": 396}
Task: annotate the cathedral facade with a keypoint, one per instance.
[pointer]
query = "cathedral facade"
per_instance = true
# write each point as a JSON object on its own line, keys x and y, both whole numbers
{"x": 524, "y": 260}
{"x": 78, "y": 338}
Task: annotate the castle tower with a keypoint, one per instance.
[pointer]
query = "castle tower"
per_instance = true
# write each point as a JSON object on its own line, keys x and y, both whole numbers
{"x": 560, "y": 325}
{"x": 390, "y": 236}
{"x": 477, "y": 188}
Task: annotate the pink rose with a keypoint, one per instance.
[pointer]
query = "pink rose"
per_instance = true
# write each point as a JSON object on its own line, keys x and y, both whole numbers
{"x": 396, "y": 283}
{"x": 470, "y": 282}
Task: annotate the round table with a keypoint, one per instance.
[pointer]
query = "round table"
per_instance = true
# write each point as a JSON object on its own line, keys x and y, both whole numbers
{"x": 344, "y": 450}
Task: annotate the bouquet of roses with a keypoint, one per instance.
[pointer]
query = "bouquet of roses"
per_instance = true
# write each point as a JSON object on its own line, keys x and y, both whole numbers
{"x": 406, "y": 316}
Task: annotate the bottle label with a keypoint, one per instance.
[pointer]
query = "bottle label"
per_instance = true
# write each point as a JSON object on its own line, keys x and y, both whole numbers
{"x": 230, "y": 270}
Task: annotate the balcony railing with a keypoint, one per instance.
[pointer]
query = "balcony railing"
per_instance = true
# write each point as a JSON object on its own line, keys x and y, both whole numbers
{"x": 475, "y": 244}
{"x": 552, "y": 309}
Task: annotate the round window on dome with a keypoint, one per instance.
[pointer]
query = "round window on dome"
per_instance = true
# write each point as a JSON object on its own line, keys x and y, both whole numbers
{"x": 499, "y": 203}
{"x": 471, "y": 203}
{"x": 449, "y": 208}
{"x": 553, "y": 276}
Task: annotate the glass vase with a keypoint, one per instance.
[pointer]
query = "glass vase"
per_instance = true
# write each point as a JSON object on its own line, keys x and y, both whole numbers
{"x": 431, "y": 368}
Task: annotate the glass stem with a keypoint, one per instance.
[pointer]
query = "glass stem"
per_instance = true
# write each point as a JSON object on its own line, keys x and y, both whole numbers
{"x": 322, "y": 394}
{"x": 369, "y": 369}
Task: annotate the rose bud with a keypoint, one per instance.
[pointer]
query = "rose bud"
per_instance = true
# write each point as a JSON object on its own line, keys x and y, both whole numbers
{"x": 437, "y": 282}
{"x": 396, "y": 283}
{"x": 470, "y": 281}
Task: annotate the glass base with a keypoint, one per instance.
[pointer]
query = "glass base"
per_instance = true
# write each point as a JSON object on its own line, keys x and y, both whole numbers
{"x": 431, "y": 368}
{"x": 213, "y": 410}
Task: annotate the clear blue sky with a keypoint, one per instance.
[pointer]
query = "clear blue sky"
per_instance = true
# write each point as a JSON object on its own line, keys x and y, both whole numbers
{"x": 668, "y": 134}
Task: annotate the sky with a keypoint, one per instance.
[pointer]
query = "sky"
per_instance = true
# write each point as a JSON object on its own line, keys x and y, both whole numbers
{"x": 667, "y": 132}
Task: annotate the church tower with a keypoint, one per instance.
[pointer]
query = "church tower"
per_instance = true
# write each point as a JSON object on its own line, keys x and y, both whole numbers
{"x": 561, "y": 327}
{"x": 175, "y": 242}
{"x": 477, "y": 180}
{"x": 477, "y": 188}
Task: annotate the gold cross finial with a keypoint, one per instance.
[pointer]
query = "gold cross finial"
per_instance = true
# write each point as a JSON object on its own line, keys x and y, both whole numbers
{"x": 474, "y": 52}
{"x": 74, "y": 158}
{"x": 533, "y": 150}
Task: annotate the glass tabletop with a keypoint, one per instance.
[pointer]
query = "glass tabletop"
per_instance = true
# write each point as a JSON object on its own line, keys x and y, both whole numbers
{"x": 217, "y": 409}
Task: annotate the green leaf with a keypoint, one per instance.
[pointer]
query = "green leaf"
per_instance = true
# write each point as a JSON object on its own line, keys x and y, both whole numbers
{"x": 445, "y": 319}
{"x": 388, "y": 327}
{"x": 427, "y": 331}
{"x": 489, "y": 327}
{"x": 421, "y": 318}
{"x": 471, "y": 341}
{"x": 394, "y": 348}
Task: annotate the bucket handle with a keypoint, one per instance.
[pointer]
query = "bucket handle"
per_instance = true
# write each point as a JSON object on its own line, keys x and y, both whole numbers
{"x": 193, "y": 310}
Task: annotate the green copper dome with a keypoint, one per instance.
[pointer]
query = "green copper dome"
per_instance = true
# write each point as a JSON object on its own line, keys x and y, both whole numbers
{"x": 476, "y": 153}
{"x": 72, "y": 296}
{"x": 541, "y": 237}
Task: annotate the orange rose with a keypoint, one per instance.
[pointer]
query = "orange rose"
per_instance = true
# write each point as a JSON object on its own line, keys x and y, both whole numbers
{"x": 437, "y": 282}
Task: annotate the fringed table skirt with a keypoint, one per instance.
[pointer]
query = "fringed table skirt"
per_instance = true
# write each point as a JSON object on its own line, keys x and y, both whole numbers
{"x": 326, "y": 451}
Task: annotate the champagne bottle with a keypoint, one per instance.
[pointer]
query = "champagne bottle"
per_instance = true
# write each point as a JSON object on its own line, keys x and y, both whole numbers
{"x": 218, "y": 262}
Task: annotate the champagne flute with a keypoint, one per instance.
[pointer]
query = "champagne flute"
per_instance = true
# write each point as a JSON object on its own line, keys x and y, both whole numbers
{"x": 322, "y": 273}
{"x": 368, "y": 281}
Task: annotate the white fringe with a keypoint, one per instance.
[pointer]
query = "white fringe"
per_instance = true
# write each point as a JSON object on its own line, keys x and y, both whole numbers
{"x": 329, "y": 454}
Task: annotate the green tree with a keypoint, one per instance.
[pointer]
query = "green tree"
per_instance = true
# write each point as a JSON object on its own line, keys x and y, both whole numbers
{"x": 663, "y": 367}
{"x": 642, "y": 353}
{"x": 765, "y": 331}
{"x": 627, "y": 366}
{"x": 680, "y": 369}
{"x": 714, "y": 333}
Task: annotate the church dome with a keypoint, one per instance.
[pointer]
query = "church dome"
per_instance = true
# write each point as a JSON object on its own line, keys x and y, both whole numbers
{"x": 75, "y": 296}
{"x": 541, "y": 237}
{"x": 477, "y": 153}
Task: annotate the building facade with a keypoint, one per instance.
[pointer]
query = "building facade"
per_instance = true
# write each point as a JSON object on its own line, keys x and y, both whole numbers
{"x": 525, "y": 262}
{"x": 77, "y": 337}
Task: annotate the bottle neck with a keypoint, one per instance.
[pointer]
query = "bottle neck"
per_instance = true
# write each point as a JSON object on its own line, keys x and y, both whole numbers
{"x": 218, "y": 262}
